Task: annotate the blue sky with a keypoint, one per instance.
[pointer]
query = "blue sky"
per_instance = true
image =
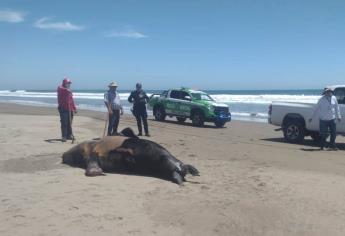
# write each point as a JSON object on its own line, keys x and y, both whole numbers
{"x": 204, "y": 44}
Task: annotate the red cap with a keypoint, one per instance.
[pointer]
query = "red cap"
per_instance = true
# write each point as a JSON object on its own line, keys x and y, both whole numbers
{"x": 66, "y": 81}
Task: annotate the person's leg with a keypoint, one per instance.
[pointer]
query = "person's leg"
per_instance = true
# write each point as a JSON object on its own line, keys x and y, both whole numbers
{"x": 333, "y": 131}
{"x": 110, "y": 124}
{"x": 61, "y": 122}
{"x": 323, "y": 133}
{"x": 71, "y": 134}
{"x": 144, "y": 117}
{"x": 138, "y": 118}
{"x": 65, "y": 121}
{"x": 69, "y": 125}
{"x": 116, "y": 121}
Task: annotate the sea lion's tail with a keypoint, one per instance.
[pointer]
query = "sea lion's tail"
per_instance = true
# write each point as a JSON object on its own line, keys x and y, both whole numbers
{"x": 189, "y": 169}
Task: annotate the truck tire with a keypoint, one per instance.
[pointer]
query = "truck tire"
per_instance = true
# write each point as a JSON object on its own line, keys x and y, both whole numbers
{"x": 159, "y": 113}
{"x": 181, "y": 119}
{"x": 219, "y": 124}
{"x": 198, "y": 119}
{"x": 294, "y": 131}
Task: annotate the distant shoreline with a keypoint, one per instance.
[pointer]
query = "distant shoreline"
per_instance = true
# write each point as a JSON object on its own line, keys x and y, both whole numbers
{"x": 244, "y": 105}
{"x": 235, "y": 91}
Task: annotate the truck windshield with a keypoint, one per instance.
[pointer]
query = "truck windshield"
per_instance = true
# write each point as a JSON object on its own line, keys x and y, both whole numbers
{"x": 202, "y": 96}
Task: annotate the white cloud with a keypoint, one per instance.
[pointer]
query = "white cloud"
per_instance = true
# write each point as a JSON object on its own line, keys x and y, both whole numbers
{"x": 11, "y": 16}
{"x": 125, "y": 34}
{"x": 45, "y": 23}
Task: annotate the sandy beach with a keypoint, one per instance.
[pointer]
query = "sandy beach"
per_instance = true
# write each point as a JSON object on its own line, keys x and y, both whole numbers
{"x": 251, "y": 183}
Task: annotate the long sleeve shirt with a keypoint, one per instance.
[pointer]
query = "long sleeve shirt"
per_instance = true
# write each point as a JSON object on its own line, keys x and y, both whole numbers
{"x": 65, "y": 99}
{"x": 327, "y": 108}
{"x": 113, "y": 99}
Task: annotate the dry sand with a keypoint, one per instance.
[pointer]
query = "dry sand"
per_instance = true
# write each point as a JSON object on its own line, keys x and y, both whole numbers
{"x": 251, "y": 183}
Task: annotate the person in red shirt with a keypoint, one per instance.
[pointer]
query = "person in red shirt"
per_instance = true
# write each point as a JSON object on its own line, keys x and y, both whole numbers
{"x": 66, "y": 109}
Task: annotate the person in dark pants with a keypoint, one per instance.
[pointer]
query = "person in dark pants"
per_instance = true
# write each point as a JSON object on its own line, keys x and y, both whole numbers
{"x": 66, "y": 109}
{"x": 113, "y": 104}
{"x": 328, "y": 110}
{"x": 139, "y": 99}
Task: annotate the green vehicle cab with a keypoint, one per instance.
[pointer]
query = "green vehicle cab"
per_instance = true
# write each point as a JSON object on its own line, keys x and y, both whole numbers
{"x": 192, "y": 104}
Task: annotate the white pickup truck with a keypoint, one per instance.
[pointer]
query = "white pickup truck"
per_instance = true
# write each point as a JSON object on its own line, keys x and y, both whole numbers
{"x": 293, "y": 117}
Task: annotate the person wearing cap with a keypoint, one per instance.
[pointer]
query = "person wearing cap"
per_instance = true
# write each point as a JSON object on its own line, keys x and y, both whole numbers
{"x": 328, "y": 110}
{"x": 67, "y": 108}
{"x": 139, "y": 99}
{"x": 113, "y": 104}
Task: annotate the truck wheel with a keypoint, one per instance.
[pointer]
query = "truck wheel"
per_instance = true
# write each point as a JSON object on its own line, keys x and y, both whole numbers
{"x": 219, "y": 124}
{"x": 198, "y": 119}
{"x": 181, "y": 119}
{"x": 159, "y": 113}
{"x": 294, "y": 131}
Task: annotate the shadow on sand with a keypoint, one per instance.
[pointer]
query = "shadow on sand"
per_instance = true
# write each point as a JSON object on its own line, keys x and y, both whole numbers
{"x": 59, "y": 140}
{"x": 53, "y": 140}
{"x": 125, "y": 171}
{"x": 187, "y": 124}
{"x": 306, "y": 142}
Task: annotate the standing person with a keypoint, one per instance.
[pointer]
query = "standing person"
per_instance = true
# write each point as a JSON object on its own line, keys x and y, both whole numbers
{"x": 66, "y": 109}
{"x": 328, "y": 110}
{"x": 139, "y": 98}
{"x": 113, "y": 104}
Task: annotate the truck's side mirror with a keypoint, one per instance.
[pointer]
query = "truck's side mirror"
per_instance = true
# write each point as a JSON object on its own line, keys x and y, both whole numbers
{"x": 188, "y": 98}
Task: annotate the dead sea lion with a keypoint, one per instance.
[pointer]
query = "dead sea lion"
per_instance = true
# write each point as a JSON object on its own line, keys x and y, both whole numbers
{"x": 116, "y": 153}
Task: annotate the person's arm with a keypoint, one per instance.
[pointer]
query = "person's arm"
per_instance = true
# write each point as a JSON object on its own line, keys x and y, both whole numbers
{"x": 107, "y": 103}
{"x": 118, "y": 98}
{"x": 146, "y": 97}
{"x": 71, "y": 102}
{"x": 130, "y": 98}
{"x": 316, "y": 110}
{"x": 58, "y": 96}
{"x": 337, "y": 110}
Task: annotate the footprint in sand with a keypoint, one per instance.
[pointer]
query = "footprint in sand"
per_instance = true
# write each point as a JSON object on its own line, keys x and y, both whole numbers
{"x": 73, "y": 208}
{"x": 204, "y": 187}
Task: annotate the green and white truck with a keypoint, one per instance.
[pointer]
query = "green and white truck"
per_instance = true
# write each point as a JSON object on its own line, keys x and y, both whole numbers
{"x": 187, "y": 103}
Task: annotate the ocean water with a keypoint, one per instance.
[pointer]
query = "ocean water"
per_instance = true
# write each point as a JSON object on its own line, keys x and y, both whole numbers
{"x": 249, "y": 105}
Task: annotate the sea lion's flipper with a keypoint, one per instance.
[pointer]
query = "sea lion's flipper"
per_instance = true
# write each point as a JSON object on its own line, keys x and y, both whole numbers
{"x": 177, "y": 178}
{"x": 93, "y": 168}
{"x": 127, "y": 157}
{"x": 128, "y": 132}
{"x": 189, "y": 169}
{"x": 128, "y": 151}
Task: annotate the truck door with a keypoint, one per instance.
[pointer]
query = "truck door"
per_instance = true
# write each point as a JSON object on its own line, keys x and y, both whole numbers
{"x": 185, "y": 104}
{"x": 339, "y": 93}
{"x": 172, "y": 102}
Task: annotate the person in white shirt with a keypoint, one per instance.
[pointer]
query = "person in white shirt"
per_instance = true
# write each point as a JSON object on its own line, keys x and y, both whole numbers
{"x": 113, "y": 104}
{"x": 328, "y": 110}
